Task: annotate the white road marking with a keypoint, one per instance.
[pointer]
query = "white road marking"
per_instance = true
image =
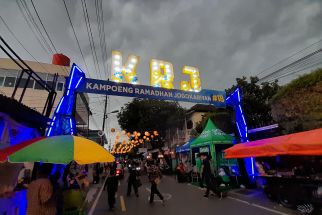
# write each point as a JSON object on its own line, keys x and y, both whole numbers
{"x": 268, "y": 209}
{"x": 122, "y": 204}
{"x": 238, "y": 200}
{"x": 97, "y": 198}
{"x": 252, "y": 204}
{"x": 258, "y": 206}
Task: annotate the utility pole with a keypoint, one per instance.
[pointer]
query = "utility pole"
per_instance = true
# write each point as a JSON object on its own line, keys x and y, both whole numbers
{"x": 104, "y": 118}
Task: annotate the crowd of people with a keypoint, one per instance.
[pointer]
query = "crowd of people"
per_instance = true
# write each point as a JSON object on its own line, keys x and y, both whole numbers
{"x": 55, "y": 193}
{"x": 46, "y": 195}
{"x": 133, "y": 180}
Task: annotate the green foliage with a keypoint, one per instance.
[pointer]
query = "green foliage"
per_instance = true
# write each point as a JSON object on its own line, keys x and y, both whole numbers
{"x": 255, "y": 99}
{"x": 298, "y": 105}
{"x": 222, "y": 118}
{"x": 303, "y": 81}
{"x": 148, "y": 115}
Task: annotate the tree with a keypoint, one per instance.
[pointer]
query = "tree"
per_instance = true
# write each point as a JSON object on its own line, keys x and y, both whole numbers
{"x": 297, "y": 106}
{"x": 149, "y": 115}
{"x": 255, "y": 100}
{"x": 221, "y": 117}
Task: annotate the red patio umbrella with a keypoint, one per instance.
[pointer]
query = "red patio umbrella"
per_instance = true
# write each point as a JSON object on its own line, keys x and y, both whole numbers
{"x": 302, "y": 143}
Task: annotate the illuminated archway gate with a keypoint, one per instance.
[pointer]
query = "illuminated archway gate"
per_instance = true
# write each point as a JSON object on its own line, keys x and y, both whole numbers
{"x": 63, "y": 121}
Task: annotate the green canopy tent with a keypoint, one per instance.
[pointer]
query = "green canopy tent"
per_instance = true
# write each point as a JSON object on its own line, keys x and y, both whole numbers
{"x": 207, "y": 141}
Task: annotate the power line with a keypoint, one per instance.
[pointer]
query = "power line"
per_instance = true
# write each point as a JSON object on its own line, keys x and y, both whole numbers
{"x": 11, "y": 32}
{"x": 78, "y": 44}
{"x": 300, "y": 51}
{"x": 90, "y": 36}
{"x": 291, "y": 64}
{"x": 91, "y": 40}
{"x": 34, "y": 23}
{"x": 42, "y": 24}
{"x": 301, "y": 67}
{"x": 296, "y": 71}
{"x": 31, "y": 22}
{"x": 101, "y": 33}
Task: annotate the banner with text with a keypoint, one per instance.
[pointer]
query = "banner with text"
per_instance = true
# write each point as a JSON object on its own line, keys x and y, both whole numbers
{"x": 213, "y": 97}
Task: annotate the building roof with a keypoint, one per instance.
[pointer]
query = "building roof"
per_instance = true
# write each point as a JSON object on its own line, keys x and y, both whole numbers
{"x": 6, "y": 63}
{"x": 22, "y": 113}
{"x": 201, "y": 108}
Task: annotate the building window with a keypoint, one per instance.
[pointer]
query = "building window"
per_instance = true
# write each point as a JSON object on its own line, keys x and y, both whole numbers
{"x": 23, "y": 82}
{"x": 43, "y": 76}
{"x": 60, "y": 86}
{"x": 10, "y": 81}
{"x": 50, "y": 83}
{"x": 1, "y": 81}
{"x": 38, "y": 86}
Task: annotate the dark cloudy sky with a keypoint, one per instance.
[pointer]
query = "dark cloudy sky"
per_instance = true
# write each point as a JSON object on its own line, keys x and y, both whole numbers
{"x": 225, "y": 39}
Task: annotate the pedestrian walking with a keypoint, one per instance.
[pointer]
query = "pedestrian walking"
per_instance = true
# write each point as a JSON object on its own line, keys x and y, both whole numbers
{"x": 40, "y": 195}
{"x": 207, "y": 175}
{"x": 155, "y": 175}
{"x": 133, "y": 179}
{"x": 111, "y": 184}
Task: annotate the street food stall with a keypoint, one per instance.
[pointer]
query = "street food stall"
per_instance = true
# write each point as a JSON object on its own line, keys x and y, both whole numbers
{"x": 290, "y": 166}
{"x": 213, "y": 141}
{"x": 183, "y": 151}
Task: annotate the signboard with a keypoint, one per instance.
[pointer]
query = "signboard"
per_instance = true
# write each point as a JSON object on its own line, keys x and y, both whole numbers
{"x": 213, "y": 97}
{"x": 204, "y": 150}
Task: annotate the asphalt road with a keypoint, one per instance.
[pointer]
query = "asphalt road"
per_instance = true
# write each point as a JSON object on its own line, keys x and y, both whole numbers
{"x": 187, "y": 199}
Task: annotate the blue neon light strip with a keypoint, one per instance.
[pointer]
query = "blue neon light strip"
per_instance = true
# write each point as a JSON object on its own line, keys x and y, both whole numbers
{"x": 59, "y": 105}
{"x": 78, "y": 82}
{"x": 71, "y": 80}
{"x": 71, "y": 126}
{"x": 252, "y": 162}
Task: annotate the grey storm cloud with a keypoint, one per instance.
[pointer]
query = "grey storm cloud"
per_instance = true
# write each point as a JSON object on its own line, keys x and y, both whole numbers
{"x": 224, "y": 39}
